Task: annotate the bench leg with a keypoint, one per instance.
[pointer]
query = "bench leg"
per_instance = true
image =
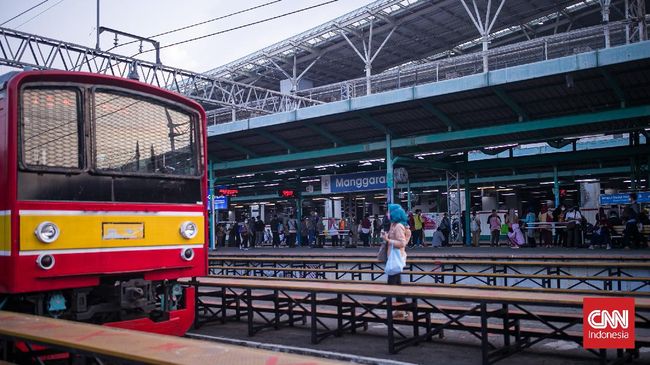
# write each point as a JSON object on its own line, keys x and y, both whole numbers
{"x": 314, "y": 323}
{"x": 249, "y": 298}
{"x": 484, "y": 335}
{"x": 389, "y": 325}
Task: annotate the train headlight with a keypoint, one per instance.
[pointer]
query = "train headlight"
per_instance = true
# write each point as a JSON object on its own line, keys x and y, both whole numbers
{"x": 189, "y": 230}
{"x": 187, "y": 254}
{"x": 45, "y": 261}
{"x": 47, "y": 232}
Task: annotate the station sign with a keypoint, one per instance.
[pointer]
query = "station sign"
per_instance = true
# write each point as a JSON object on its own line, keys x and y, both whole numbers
{"x": 222, "y": 191}
{"x": 287, "y": 193}
{"x": 624, "y": 198}
{"x": 348, "y": 183}
{"x": 220, "y": 202}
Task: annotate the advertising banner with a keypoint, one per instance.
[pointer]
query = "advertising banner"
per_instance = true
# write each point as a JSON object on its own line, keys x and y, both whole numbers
{"x": 348, "y": 183}
{"x": 589, "y": 195}
{"x": 624, "y": 198}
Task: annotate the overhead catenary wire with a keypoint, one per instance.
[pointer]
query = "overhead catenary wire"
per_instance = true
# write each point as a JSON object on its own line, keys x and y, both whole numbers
{"x": 24, "y": 12}
{"x": 203, "y": 22}
{"x": 242, "y": 26}
{"x": 37, "y": 15}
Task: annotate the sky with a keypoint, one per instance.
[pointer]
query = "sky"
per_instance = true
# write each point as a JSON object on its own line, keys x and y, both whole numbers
{"x": 75, "y": 21}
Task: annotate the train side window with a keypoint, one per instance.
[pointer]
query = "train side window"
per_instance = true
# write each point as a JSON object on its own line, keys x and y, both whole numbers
{"x": 50, "y": 128}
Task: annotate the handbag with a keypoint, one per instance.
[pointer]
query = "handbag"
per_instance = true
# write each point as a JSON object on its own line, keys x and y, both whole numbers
{"x": 382, "y": 255}
{"x": 395, "y": 262}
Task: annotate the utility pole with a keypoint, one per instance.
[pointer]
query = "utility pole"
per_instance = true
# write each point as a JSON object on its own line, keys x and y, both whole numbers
{"x": 97, "y": 28}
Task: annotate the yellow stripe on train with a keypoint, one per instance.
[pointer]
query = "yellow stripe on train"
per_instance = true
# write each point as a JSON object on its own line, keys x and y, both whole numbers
{"x": 108, "y": 231}
{"x": 5, "y": 232}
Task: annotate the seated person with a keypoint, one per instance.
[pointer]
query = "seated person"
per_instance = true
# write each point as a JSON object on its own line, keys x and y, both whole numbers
{"x": 438, "y": 238}
{"x": 515, "y": 235}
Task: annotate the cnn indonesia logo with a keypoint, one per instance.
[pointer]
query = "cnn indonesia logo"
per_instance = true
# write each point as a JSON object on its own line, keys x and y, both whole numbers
{"x": 608, "y": 323}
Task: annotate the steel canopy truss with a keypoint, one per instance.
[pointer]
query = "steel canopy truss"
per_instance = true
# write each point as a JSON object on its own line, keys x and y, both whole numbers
{"x": 19, "y": 49}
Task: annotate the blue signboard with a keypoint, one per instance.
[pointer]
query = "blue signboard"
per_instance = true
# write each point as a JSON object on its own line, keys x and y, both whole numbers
{"x": 347, "y": 183}
{"x": 624, "y": 198}
{"x": 220, "y": 202}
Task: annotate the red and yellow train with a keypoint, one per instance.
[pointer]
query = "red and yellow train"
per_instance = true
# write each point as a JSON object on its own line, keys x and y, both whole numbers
{"x": 102, "y": 200}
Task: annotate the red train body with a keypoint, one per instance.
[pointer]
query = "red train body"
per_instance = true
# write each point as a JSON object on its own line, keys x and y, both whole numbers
{"x": 102, "y": 199}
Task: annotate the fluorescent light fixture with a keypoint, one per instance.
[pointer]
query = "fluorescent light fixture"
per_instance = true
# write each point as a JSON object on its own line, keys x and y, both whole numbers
{"x": 508, "y": 194}
{"x": 372, "y": 160}
{"x": 310, "y": 180}
{"x": 337, "y": 197}
{"x": 239, "y": 206}
{"x": 245, "y": 186}
{"x": 501, "y": 146}
{"x": 272, "y": 184}
{"x": 586, "y": 180}
{"x": 246, "y": 175}
{"x": 430, "y": 191}
{"x": 485, "y": 187}
{"x": 326, "y": 166}
{"x": 318, "y": 199}
{"x": 505, "y": 189}
{"x": 282, "y": 172}
{"x": 428, "y": 154}
{"x": 548, "y": 183}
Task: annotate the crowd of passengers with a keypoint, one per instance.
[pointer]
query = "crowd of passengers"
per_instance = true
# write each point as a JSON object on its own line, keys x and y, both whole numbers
{"x": 560, "y": 227}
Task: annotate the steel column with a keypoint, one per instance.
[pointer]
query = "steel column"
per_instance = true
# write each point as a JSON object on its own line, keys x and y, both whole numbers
{"x": 468, "y": 207}
{"x": 556, "y": 187}
{"x": 213, "y": 211}
{"x": 389, "y": 170}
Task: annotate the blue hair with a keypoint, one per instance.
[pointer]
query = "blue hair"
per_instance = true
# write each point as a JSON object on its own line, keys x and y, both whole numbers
{"x": 397, "y": 214}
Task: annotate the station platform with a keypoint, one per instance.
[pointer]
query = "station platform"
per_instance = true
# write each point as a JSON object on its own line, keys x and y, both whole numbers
{"x": 444, "y": 252}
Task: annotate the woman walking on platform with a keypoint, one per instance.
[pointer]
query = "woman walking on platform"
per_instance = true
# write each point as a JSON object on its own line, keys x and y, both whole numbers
{"x": 397, "y": 238}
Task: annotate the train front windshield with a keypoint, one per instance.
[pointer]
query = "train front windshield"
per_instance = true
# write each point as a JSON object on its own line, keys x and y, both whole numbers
{"x": 100, "y": 144}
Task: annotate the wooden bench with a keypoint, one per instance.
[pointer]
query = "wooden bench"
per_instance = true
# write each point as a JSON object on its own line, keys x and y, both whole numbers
{"x": 100, "y": 342}
{"x": 521, "y": 318}
{"x": 467, "y": 286}
{"x": 548, "y": 280}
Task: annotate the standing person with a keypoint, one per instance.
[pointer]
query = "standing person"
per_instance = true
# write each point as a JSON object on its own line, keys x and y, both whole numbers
{"x": 365, "y": 230}
{"x": 397, "y": 238}
{"x": 252, "y": 232}
{"x": 243, "y": 231}
{"x": 259, "y": 232}
{"x": 445, "y": 227}
{"x": 221, "y": 236}
{"x": 343, "y": 231}
{"x": 320, "y": 231}
{"x": 601, "y": 235}
{"x": 418, "y": 225}
{"x": 495, "y": 228}
{"x": 475, "y": 228}
{"x": 312, "y": 228}
{"x": 631, "y": 236}
{"x": 232, "y": 236}
{"x": 545, "y": 235}
{"x": 292, "y": 227}
{"x": 530, "y": 229}
{"x": 515, "y": 235}
{"x": 376, "y": 230}
{"x": 354, "y": 230}
{"x": 573, "y": 229}
{"x": 560, "y": 228}
{"x": 275, "y": 224}
{"x": 304, "y": 232}
{"x": 333, "y": 231}
{"x": 462, "y": 226}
